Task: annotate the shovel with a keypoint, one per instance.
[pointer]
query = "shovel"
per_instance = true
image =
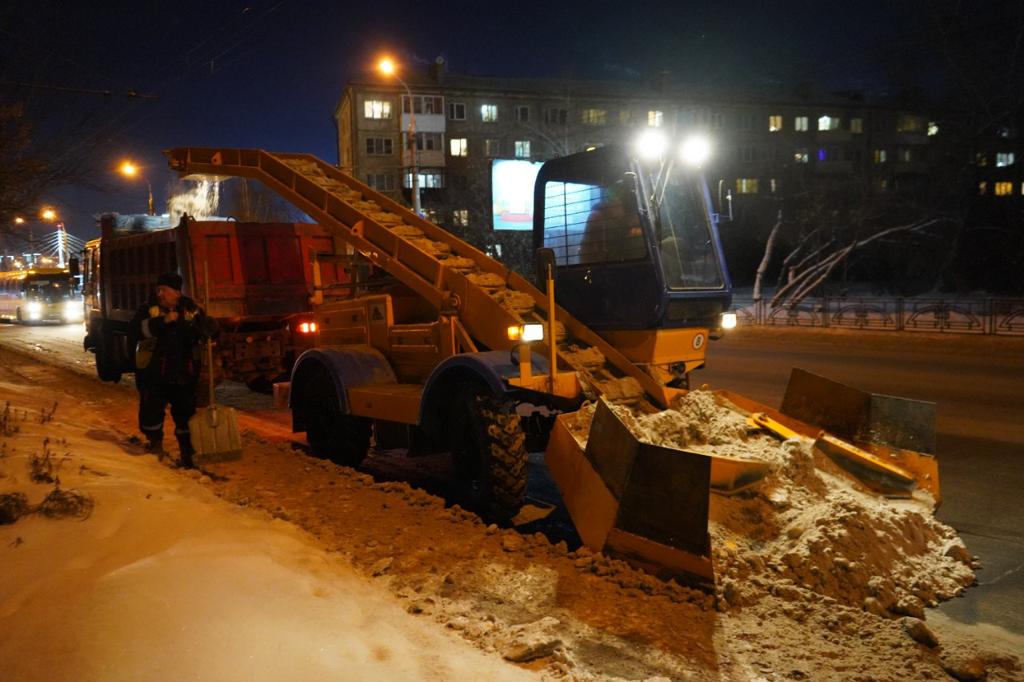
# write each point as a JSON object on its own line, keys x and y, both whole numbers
{"x": 214, "y": 429}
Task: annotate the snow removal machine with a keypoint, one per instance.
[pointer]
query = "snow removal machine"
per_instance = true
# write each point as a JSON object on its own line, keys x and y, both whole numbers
{"x": 440, "y": 347}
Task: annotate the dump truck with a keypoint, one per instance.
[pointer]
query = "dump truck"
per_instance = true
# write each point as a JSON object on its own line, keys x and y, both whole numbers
{"x": 263, "y": 284}
{"x": 442, "y": 348}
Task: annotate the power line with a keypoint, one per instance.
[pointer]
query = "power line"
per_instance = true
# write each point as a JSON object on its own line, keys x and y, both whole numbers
{"x": 83, "y": 91}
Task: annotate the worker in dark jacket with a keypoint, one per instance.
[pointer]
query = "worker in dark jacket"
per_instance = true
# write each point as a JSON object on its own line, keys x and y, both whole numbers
{"x": 169, "y": 329}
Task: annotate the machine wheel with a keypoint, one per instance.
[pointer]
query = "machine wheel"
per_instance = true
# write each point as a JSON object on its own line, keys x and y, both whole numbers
{"x": 341, "y": 438}
{"x": 490, "y": 451}
{"x": 106, "y": 363}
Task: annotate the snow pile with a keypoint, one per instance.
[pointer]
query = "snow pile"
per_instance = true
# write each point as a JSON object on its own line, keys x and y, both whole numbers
{"x": 807, "y": 528}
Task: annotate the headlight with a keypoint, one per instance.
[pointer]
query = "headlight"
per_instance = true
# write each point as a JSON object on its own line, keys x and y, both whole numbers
{"x": 526, "y": 332}
{"x": 72, "y": 310}
{"x": 651, "y": 145}
{"x": 34, "y": 307}
{"x": 696, "y": 150}
{"x": 728, "y": 320}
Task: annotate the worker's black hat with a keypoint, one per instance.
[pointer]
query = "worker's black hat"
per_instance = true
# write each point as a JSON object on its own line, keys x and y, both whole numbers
{"x": 169, "y": 279}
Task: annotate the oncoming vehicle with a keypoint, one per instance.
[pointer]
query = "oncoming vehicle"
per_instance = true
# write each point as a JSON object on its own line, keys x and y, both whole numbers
{"x": 40, "y": 295}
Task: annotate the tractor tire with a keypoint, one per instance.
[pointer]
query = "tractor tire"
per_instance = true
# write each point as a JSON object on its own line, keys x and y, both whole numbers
{"x": 106, "y": 362}
{"x": 491, "y": 452}
{"x": 341, "y": 438}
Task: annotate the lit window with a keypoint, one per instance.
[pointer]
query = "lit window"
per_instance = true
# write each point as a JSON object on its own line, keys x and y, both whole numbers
{"x": 800, "y": 123}
{"x": 856, "y": 125}
{"x": 523, "y": 113}
{"x": 458, "y": 146}
{"x": 1006, "y": 132}
{"x": 774, "y": 124}
{"x": 428, "y": 179}
{"x": 457, "y": 111}
{"x": 933, "y": 128}
{"x": 522, "y": 149}
{"x": 594, "y": 117}
{"x": 880, "y": 156}
{"x": 1003, "y": 189}
{"x": 829, "y": 122}
{"x": 460, "y": 217}
{"x": 655, "y": 118}
{"x": 1004, "y": 159}
{"x": 378, "y": 146}
{"x": 492, "y": 147}
{"x": 746, "y": 185}
{"x": 910, "y": 124}
{"x": 774, "y": 185}
{"x": 489, "y": 113}
{"x": 982, "y": 187}
{"x": 904, "y": 155}
{"x": 801, "y": 156}
{"x": 430, "y": 214}
{"x": 377, "y": 108}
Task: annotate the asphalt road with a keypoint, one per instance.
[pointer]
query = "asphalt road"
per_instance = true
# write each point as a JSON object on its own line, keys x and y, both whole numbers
{"x": 977, "y": 383}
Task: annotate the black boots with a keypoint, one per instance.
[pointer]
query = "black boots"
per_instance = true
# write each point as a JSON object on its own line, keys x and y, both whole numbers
{"x": 185, "y": 446}
{"x": 156, "y": 446}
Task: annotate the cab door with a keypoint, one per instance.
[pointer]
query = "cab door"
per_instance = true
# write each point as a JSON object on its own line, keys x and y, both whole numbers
{"x": 586, "y": 212}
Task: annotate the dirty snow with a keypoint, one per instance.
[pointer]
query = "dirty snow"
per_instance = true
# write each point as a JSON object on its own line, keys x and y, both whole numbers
{"x": 305, "y": 566}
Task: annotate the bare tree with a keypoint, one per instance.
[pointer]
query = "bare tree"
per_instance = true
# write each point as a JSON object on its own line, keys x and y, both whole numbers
{"x": 824, "y": 230}
{"x": 31, "y": 167}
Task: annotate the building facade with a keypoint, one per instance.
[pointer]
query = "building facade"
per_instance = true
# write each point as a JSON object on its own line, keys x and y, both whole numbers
{"x": 762, "y": 145}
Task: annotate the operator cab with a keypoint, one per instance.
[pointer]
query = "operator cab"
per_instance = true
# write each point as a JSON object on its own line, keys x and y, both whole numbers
{"x": 635, "y": 243}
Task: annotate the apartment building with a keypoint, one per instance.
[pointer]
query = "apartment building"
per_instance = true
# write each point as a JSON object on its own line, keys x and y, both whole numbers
{"x": 762, "y": 145}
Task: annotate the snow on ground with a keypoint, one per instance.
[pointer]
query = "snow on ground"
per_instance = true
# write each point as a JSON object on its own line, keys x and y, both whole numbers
{"x": 184, "y": 584}
{"x": 164, "y": 581}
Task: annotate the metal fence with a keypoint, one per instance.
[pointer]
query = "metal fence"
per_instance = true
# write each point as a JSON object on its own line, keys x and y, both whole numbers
{"x": 1002, "y": 316}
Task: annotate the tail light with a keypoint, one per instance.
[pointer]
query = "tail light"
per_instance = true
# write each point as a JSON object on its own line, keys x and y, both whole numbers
{"x": 307, "y": 327}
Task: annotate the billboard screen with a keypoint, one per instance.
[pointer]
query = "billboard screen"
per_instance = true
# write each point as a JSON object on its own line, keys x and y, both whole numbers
{"x": 512, "y": 193}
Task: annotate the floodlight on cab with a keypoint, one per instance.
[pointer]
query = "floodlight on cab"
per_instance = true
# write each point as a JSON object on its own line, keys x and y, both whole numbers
{"x": 651, "y": 144}
{"x": 695, "y": 150}
{"x": 728, "y": 320}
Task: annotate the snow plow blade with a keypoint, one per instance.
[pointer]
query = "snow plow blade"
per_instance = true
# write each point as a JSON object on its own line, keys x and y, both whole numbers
{"x": 642, "y": 503}
{"x": 886, "y": 442}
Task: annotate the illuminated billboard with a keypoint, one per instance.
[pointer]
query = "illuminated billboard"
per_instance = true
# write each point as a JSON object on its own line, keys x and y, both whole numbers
{"x": 512, "y": 194}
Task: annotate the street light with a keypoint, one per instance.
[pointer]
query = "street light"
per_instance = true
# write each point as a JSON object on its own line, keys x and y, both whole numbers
{"x": 130, "y": 170}
{"x": 388, "y": 68}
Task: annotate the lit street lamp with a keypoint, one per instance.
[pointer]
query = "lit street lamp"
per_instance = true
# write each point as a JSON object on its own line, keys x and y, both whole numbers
{"x": 388, "y": 68}
{"x": 130, "y": 170}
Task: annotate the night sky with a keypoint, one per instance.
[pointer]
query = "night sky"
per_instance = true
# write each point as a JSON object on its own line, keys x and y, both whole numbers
{"x": 268, "y": 73}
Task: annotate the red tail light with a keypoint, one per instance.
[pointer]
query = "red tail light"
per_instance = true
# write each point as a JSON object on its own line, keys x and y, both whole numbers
{"x": 307, "y": 327}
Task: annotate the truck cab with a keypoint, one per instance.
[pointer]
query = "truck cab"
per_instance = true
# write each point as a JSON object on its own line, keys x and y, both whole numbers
{"x": 636, "y": 252}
